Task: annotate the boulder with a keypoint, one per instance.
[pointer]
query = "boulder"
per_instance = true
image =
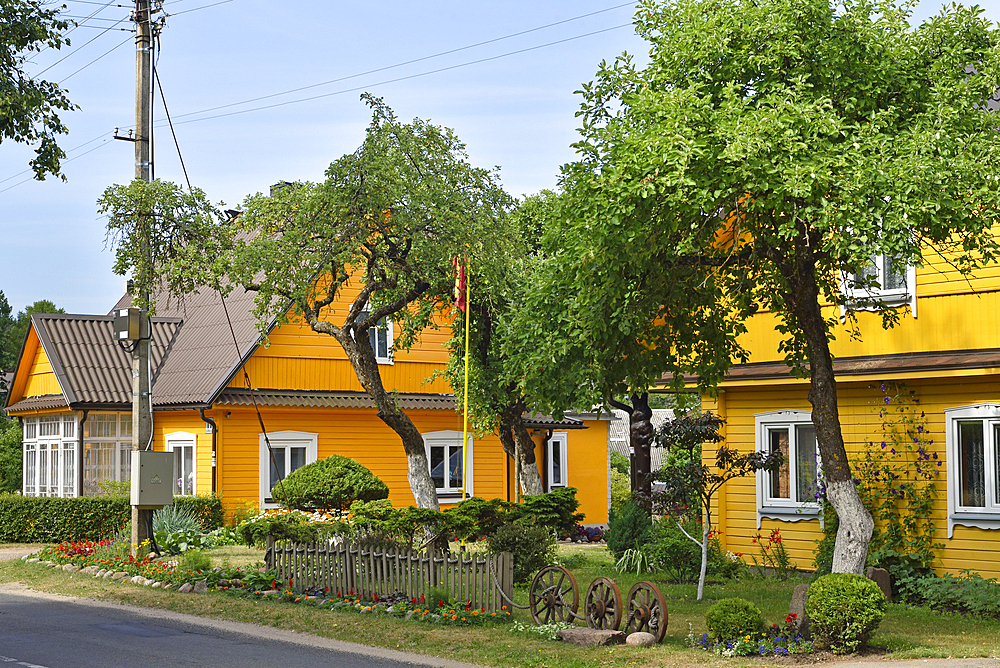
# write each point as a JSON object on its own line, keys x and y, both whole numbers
{"x": 585, "y": 637}
{"x": 640, "y": 639}
{"x": 798, "y": 608}
{"x": 101, "y": 573}
{"x": 201, "y": 587}
{"x": 223, "y": 584}
{"x": 186, "y": 588}
{"x": 120, "y": 575}
{"x": 137, "y": 579}
{"x": 881, "y": 577}
{"x": 90, "y": 570}
{"x": 70, "y": 568}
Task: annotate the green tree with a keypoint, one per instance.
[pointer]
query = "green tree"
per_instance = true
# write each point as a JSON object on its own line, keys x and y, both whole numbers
{"x": 13, "y": 338}
{"x": 791, "y": 141}
{"x": 388, "y": 220}
{"x": 10, "y": 455}
{"x": 7, "y": 359}
{"x": 690, "y": 483}
{"x": 29, "y": 106}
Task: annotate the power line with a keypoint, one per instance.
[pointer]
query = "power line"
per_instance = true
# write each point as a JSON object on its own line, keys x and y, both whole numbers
{"x": 114, "y": 48}
{"x": 194, "y": 9}
{"x": 78, "y": 48}
{"x": 398, "y": 79}
{"x": 19, "y": 183}
{"x": 402, "y": 64}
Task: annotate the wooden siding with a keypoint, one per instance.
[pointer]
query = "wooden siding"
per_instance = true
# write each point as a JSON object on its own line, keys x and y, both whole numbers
{"x": 586, "y": 468}
{"x": 170, "y": 422}
{"x": 859, "y": 406}
{"x": 38, "y": 379}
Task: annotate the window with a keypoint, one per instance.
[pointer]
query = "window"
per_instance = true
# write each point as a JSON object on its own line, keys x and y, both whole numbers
{"x": 790, "y": 492}
{"x": 183, "y": 445}
{"x": 883, "y": 279}
{"x": 555, "y": 461}
{"x": 973, "y": 441}
{"x": 445, "y": 456}
{"x": 380, "y": 336}
{"x": 50, "y": 456}
{"x": 292, "y": 450}
{"x": 107, "y": 445}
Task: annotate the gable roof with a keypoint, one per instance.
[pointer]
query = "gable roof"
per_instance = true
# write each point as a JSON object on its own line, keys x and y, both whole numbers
{"x": 204, "y": 357}
{"x": 92, "y": 370}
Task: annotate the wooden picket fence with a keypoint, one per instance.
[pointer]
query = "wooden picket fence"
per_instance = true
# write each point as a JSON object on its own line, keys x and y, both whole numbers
{"x": 482, "y": 580}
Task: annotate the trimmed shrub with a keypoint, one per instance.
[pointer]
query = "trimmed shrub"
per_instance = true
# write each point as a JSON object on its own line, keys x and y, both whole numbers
{"x": 10, "y": 454}
{"x": 628, "y": 531}
{"x": 733, "y": 618}
{"x": 844, "y": 611}
{"x": 206, "y": 508}
{"x": 555, "y": 510}
{"x": 330, "y": 484}
{"x": 31, "y": 519}
{"x": 533, "y": 547}
{"x": 293, "y": 526}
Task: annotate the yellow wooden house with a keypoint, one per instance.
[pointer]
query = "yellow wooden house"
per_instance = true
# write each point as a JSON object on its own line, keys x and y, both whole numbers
{"x": 945, "y": 349}
{"x": 72, "y": 393}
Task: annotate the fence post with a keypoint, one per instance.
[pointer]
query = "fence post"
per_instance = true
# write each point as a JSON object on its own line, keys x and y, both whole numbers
{"x": 269, "y": 559}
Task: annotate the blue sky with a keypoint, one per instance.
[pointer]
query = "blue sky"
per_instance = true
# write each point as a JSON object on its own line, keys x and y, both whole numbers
{"x": 511, "y": 100}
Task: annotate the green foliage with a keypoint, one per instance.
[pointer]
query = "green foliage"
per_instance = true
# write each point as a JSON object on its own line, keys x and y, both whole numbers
{"x": 629, "y": 530}
{"x": 19, "y": 329}
{"x": 244, "y": 511}
{"x": 179, "y": 542}
{"x": 674, "y": 554}
{"x": 111, "y": 487}
{"x": 772, "y": 556}
{"x": 823, "y": 556}
{"x": 207, "y": 509}
{"x": 28, "y": 519}
{"x": 10, "y": 453}
{"x": 293, "y": 526}
{"x": 31, "y": 104}
{"x": 620, "y": 463}
{"x": 533, "y": 547}
{"x": 633, "y": 561}
{"x": 621, "y": 491}
{"x": 195, "y": 560}
{"x": 844, "y": 611}
{"x": 330, "y": 484}
{"x": 897, "y": 475}
{"x": 8, "y": 357}
{"x": 476, "y": 518}
{"x": 732, "y": 618}
{"x": 555, "y": 510}
{"x": 968, "y": 593}
{"x": 224, "y": 536}
{"x": 175, "y": 518}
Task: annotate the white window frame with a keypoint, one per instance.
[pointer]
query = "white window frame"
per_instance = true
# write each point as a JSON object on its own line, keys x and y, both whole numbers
{"x": 980, "y": 517}
{"x": 790, "y": 509}
{"x": 283, "y": 440}
{"x": 118, "y": 444}
{"x": 183, "y": 439}
{"x": 556, "y": 443}
{"x": 905, "y": 296}
{"x": 451, "y": 439}
{"x": 387, "y": 355}
{"x": 58, "y": 477}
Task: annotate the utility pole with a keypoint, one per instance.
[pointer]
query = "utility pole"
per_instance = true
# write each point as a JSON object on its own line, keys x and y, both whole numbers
{"x": 142, "y": 400}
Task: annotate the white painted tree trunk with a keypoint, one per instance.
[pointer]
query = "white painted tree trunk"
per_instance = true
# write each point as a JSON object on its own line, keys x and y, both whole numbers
{"x": 704, "y": 560}
{"x": 855, "y": 531}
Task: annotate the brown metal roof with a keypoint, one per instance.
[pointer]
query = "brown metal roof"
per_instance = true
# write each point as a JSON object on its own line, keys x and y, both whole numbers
{"x": 204, "y": 358}
{"x": 539, "y": 421}
{"x": 931, "y": 361}
{"x": 241, "y": 397}
{"x": 89, "y": 365}
{"x": 40, "y": 403}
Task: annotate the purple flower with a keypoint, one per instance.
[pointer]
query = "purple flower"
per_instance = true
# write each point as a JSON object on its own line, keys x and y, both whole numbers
{"x": 887, "y": 400}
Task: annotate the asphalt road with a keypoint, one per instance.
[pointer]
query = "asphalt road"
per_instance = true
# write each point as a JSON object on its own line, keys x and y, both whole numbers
{"x": 45, "y": 631}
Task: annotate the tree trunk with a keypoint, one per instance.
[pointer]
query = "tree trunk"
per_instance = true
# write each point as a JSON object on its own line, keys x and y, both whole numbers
{"x": 640, "y": 438}
{"x": 704, "y": 559}
{"x": 362, "y": 358}
{"x": 518, "y": 445}
{"x": 856, "y": 524}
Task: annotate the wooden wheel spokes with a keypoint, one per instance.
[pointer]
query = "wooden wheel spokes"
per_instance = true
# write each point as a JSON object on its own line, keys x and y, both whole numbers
{"x": 553, "y": 596}
{"x": 603, "y": 604}
{"x": 647, "y": 610}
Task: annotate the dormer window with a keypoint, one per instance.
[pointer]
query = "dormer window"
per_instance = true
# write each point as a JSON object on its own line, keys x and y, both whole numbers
{"x": 884, "y": 280}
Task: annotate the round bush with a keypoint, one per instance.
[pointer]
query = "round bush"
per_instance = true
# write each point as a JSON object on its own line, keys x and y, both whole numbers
{"x": 844, "y": 611}
{"x": 673, "y": 553}
{"x": 628, "y": 531}
{"x": 533, "y": 547}
{"x": 733, "y": 618}
{"x": 330, "y": 484}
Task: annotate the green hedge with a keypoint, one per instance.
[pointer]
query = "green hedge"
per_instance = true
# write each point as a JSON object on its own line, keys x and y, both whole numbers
{"x": 206, "y": 509}
{"x": 31, "y": 519}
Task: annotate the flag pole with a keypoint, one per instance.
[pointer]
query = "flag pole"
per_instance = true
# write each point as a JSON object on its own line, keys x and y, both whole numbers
{"x": 465, "y": 412}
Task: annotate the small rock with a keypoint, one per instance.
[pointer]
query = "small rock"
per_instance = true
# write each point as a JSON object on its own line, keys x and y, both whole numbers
{"x": 271, "y": 592}
{"x": 800, "y": 596}
{"x": 107, "y": 575}
{"x": 585, "y": 637}
{"x": 410, "y": 613}
{"x": 89, "y": 570}
{"x": 34, "y": 560}
{"x": 201, "y": 587}
{"x": 156, "y": 585}
{"x": 640, "y": 639}
{"x": 881, "y": 577}
{"x": 186, "y": 587}
{"x": 120, "y": 575}
{"x": 223, "y": 584}
{"x": 236, "y": 583}
{"x": 101, "y": 572}
{"x": 136, "y": 579}
{"x": 70, "y": 568}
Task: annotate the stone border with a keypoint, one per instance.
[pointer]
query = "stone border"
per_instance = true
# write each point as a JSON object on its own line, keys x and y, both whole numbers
{"x": 199, "y": 587}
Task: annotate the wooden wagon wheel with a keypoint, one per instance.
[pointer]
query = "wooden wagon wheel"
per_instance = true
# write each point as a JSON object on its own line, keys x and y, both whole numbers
{"x": 603, "y": 604}
{"x": 553, "y": 596}
{"x": 647, "y": 610}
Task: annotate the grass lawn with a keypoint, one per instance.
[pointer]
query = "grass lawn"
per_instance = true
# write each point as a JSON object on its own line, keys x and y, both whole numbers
{"x": 905, "y": 633}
